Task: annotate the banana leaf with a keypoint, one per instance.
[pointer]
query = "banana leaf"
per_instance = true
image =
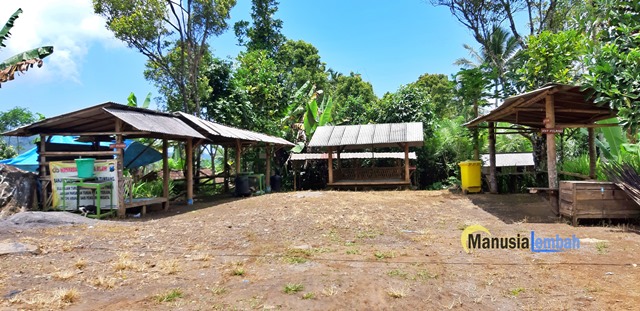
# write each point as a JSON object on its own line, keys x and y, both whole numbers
{"x": 37, "y": 53}
{"x": 4, "y": 33}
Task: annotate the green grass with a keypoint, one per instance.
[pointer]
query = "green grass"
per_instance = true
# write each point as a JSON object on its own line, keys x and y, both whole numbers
{"x": 292, "y": 288}
{"x": 238, "y": 271}
{"x": 169, "y": 296}
{"x": 384, "y": 255}
{"x": 309, "y": 295}
{"x": 516, "y": 291}
{"x": 398, "y": 273}
{"x": 601, "y": 247}
{"x": 353, "y": 251}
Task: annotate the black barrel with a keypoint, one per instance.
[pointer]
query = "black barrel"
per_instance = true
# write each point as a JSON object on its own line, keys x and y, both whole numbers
{"x": 242, "y": 185}
{"x": 276, "y": 183}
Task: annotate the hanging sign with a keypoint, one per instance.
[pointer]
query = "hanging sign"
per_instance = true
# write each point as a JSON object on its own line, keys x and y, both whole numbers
{"x": 551, "y": 131}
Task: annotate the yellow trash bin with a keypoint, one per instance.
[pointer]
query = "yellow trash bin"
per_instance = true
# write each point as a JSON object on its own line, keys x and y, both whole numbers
{"x": 471, "y": 176}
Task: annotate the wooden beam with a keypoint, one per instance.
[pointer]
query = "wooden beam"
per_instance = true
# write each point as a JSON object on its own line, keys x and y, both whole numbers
{"x": 165, "y": 173}
{"x": 592, "y": 153}
{"x": 493, "y": 182}
{"x": 330, "y": 164}
{"x": 565, "y": 110}
{"x": 574, "y": 175}
{"x": 81, "y": 153}
{"x": 578, "y": 125}
{"x": 189, "y": 172}
{"x": 406, "y": 162}
{"x": 225, "y": 169}
{"x": 101, "y": 133}
{"x": 267, "y": 177}
{"x": 122, "y": 209}
{"x": 43, "y": 171}
{"x": 238, "y": 152}
{"x": 551, "y": 142}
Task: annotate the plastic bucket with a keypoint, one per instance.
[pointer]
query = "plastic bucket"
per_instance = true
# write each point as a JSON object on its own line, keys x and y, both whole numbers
{"x": 85, "y": 167}
{"x": 471, "y": 176}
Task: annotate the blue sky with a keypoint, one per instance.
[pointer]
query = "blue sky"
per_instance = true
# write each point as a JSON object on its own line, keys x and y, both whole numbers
{"x": 390, "y": 43}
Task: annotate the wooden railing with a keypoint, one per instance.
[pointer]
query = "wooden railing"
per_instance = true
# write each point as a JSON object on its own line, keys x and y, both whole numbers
{"x": 369, "y": 173}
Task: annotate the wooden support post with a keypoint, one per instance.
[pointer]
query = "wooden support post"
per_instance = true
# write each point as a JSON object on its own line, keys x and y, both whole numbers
{"x": 551, "y": 142}
{"x": 592, "y": 153}
{"x": 165, "y": 173}
{"x": 225, "y": 170}
{"x": 330, "y": 164}
{"x": 238, "y": 152}
{"x": 493, "y": 182}
{"x": 406, "y": 162}
{"x": 122, "y": 209}
{"x": 43, "y": 173}
{"x": 267, "y": 178}
{"x": 189, "y": 171}
{"x": 338, "y": 158}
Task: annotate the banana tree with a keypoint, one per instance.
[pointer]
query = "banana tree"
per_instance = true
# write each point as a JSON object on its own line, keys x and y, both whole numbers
{"x": 20, "y": 62}
{"x": 315, "y": 115}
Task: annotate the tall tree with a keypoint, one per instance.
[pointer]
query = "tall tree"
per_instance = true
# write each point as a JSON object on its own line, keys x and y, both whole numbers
{"x": 441, "y": 93}
{"x": 172, "y": 34}
{"x": 20, "y": 62}
{"x": 353, "y": 98}
{"x": 300, "y": 62}
{"x": 265, "y": 32}
{"x": 614, "y": 59}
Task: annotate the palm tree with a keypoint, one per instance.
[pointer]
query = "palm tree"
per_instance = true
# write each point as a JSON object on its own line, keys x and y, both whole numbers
{"x": 22, "y": 61}
{"x": 496, "y": 55}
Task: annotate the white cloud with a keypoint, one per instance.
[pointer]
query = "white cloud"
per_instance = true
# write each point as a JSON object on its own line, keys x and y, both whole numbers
{"x": 69, "y": 25}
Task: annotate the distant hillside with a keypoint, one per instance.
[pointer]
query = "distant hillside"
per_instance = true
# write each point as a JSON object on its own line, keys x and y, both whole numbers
{"x": 21, "y": 144}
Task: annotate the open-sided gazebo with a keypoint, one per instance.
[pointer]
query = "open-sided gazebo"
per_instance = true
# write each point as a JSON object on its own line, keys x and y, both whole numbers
{"x": 368, "y": 136}
{"x": 113, "y": 120}
{"x": 548, "y": 110}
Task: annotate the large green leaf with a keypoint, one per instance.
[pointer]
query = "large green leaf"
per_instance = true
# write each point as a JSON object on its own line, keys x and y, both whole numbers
{"x": 4, "y": 33}
{"x": 147, "y": 101}
{"x": 327, "y": 113}
{"x": 132, "y": 100}
{"x": 614, "y": 137}
{"x": 37, "y": 53}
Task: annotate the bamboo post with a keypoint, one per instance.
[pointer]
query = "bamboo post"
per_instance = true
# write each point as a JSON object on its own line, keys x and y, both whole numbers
{"x": 551, "y": 142}
{"x": 165, "y": 173}
{"x": 43, "y": 172}
{"x": 592, "y": 153}
{"x": 225, "y": 170}
{"x": 122, "y": 209}
{"x": 330, "y": 164}
{"x": 406, "y": 162}
{"x": 267, "y": 180}
{"x": 493, "y": 182}
{"x": 189, "y": 171}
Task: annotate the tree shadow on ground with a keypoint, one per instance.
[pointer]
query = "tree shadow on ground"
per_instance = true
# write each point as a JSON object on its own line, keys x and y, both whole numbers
{"x": 516, "y": 208}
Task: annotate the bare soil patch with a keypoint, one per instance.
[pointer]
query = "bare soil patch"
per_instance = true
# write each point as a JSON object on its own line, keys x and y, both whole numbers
{"x": 322, "y": 251}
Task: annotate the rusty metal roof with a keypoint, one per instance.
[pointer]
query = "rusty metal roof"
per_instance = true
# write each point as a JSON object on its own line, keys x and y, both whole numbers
{"x": 222, "y": 134}
{"x": 369, "y": 135}
{"x": 352, "y": 155}
{"x": 573, "y": 107}
{"x": 137, "y": 122}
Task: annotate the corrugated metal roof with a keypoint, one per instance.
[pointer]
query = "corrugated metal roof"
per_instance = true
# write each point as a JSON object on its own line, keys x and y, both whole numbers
{"x": 219, "y": 133}
{"x": 352, "y": 155}
{"x": 377, "y": 135}
{"x": 102, "y": 117}
{"x": 509, "y": 159}
{"x": 155, "y": 123}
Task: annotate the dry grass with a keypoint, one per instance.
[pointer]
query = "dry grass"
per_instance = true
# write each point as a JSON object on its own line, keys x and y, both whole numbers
{"x": 124, "y": 262}
{"x": 169, "y": 296}
{"x": 171, "y": 266}
{"x": 66, "y": 295}
{"x": 104, "y": 282}
{"x": 81, "y": 263}
{"x": 64, "y": 275}
{"x": 396, "y": 292}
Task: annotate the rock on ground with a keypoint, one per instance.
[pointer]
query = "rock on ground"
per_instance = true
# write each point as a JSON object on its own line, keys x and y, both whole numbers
{"x": 17, "y": 190}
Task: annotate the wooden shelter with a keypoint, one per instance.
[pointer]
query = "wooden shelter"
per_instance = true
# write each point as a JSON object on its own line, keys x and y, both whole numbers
{"x": 368, "y": 136}
{"x": 239, "y": 139}
{"x": 120, "y": 121}
{"x": 548, "y": 110}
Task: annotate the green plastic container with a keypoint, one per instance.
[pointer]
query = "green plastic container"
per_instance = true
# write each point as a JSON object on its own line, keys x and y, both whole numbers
{"x": 85, "y": 167}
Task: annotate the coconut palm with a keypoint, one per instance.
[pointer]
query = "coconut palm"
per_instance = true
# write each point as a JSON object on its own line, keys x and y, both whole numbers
{"x": 499, "y": 50}
{"x": 20, "y": 62}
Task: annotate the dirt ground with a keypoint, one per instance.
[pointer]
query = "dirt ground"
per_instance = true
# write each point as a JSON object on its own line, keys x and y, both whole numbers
{"x": 383, "y": 250}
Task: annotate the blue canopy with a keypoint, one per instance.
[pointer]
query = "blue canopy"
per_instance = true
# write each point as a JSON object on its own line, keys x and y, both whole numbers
{"x": 135, "y": 155}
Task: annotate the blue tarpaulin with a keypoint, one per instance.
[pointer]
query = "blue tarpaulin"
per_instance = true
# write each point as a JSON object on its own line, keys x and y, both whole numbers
{"x": 135, "y": 155}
